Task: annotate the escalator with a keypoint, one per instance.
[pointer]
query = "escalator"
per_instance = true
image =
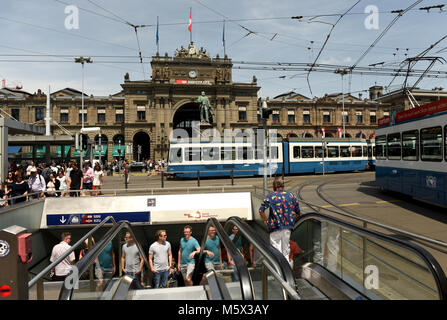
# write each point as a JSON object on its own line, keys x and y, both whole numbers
{"x": 345, "y": 261}
{"x": 338, "y": 261}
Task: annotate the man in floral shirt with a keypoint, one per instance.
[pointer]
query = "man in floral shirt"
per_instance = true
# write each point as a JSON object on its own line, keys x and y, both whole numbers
{"x": 284, "y": 209}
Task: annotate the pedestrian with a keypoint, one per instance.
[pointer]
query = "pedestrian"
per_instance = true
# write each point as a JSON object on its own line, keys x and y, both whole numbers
{"x": 28, "y": 169}
{"x": 3, "y": 196}
{"x": 106, "y": 267}
{"x": 76, "y": 179}
{"x": 175, "y": 277}
{"x": 295, "y": 250}
{"x": 19, "y": 188}
{"x": 98, "y": 176}
{"x": 132, "y": 261}
{"x": 10, "y": 180}
{"x": 212, "y": 251}
{"x": 126, "y": 173}
{"x": 37, "y": 184}
{"x": 63, "y": 268}
{"x": 189, "y": 247}
{"x": 160, "y": 251}
{"x": 88, "y": 177}
{"x": 69, "y": 168}
{"x": 284, "y": 210}
{"x": 53, "y": 186}
{"x": 46, "y": 172}
{"x": 64, "y": 182}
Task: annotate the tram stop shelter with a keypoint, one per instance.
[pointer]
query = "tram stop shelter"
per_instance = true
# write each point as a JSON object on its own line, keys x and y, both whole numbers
{"x": 16, "y": 133}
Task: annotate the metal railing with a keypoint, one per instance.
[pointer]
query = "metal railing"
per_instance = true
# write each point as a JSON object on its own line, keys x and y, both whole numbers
{"x": 241, "y": 267}
{"x": 377, "y": 224}
{"x": 430, "y": 262}
{"x": 273, "y": 259}
{"x": 83, "y": 264}
{"x": 68, "y": 252}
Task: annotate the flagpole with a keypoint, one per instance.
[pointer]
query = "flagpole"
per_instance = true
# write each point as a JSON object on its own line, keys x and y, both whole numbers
{"x": 158, "y": 45}
{"x": 223, "y": 38}
{"x": 190, "y": 21}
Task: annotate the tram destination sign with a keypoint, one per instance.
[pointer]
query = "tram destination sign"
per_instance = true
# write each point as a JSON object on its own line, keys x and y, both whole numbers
{"x": 96, "y": 218}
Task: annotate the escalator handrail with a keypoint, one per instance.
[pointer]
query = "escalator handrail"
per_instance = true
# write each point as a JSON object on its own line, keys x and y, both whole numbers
{"x": 275, "y": 258}
{"x": 431, "y": 263}
{"x": 374, "y": 223}
{"x": 41, "y": 274}
{"x": 241, "y": 267}
{"x": 83, "y": 264}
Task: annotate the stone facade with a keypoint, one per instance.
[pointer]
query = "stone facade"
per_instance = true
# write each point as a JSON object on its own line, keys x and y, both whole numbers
{"x": 145, "y": 112}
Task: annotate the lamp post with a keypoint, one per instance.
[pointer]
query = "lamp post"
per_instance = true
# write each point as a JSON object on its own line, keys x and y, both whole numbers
{"x": 82, "y": 60}
{"x": 342, "y": 72}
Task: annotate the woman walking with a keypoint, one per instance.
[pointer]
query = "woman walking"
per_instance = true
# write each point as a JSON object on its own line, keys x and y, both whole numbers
{"x": 98, "y": 176}
{"x": 64, "y": 182}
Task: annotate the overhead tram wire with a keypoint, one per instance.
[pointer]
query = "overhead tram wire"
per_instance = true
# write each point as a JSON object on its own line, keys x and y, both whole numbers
{"x": 382, "y": 34}
{"x": 66, "y": 33}
{"x": 325, "y": 42}
{"x": 135, "y": 27}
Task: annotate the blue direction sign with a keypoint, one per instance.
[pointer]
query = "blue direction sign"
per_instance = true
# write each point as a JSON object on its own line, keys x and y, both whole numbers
{"x": 95, "y": 218}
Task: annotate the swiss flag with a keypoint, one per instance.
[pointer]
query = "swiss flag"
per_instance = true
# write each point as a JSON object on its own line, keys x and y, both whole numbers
{"x": 190, "y": 22}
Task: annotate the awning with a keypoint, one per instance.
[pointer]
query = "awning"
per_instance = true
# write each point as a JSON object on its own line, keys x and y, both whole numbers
{"x": 103, "y": 151}
{"x": 14, "y": 149}
{"x": 115, "y": 152}
{"x": 77, "y": 153}
{"x": 66, "y": 153}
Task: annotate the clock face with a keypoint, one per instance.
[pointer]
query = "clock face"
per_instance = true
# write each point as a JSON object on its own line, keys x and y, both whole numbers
{"x": 192, "y": 74}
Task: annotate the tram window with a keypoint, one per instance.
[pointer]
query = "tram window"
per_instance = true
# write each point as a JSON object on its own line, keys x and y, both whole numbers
{"x": 210, "y": 153}
{"x": 244, "y": 153}
{"x": 381, "y": 147}
{"x": 374, "y": 151}
{"x": 228, "y": 153}
{"x": 393, "y": 146}
{"x": 356, "y": 151}
{"x": 365, "y": 151}
{"x": 410, "y": 145}
{"x": 344, "y": 152}
{"x": 192, "y": 154}
{"x": 333, "y": 152}
{"x": 369, "y": 151}
{"x": 319, "y": 153}
{"x": 431, "y": 144}
{"x": 307, "y": 152}
{"x": 175, "y": 155}
{"x": 296, "y": 152}
{"x": 273, "y": 151}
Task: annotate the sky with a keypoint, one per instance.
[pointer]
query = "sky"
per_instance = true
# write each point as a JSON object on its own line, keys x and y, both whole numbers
{"x": 34, "y": 31}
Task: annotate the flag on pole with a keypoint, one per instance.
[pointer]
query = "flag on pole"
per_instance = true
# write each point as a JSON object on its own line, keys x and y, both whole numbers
{"x": 190, "y": 21}
{"x": 156, "y": 35}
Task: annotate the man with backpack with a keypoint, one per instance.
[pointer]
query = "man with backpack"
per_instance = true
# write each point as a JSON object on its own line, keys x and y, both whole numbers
{"x": 36, "y": 184}
{"x": 46, "y": 171}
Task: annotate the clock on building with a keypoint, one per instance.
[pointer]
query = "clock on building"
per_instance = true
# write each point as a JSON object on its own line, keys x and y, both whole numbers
{"x": 192, "y": 74}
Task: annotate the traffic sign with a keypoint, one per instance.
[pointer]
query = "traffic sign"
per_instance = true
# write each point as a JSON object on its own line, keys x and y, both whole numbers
{"x": 95, "y": 218}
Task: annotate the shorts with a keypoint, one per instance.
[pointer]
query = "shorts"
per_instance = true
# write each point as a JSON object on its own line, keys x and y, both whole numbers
{"x": 212, "y": 266}
{"x": 87, "y": 186}
{"x": 187, "y": 269}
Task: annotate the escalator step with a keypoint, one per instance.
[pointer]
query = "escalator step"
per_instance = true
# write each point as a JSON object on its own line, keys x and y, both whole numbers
{"x": 307, "y": 291}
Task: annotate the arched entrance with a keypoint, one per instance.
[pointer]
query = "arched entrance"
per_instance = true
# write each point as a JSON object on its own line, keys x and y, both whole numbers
{"x": 141, "y": 142}
{"x": 118, "y": 151}
{"x": 308, "y": 135}
{"x": 185, "y": 116}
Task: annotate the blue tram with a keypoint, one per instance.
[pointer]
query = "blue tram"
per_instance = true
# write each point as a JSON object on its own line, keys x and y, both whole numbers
{"x": 188, "y": 159}
{"x": 412, "y": 153}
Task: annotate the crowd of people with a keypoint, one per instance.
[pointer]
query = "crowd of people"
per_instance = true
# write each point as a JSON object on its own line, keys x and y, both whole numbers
{"x": 53, "y": 180}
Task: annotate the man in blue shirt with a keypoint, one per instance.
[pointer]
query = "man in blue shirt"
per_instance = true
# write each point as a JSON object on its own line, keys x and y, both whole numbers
{"x": 189, "y": 247}
{"x": 284, "y": 209}
{"x": 213, "y": 254}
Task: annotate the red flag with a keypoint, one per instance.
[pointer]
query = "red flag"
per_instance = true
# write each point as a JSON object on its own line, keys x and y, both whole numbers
{"x": 190, "y": 22}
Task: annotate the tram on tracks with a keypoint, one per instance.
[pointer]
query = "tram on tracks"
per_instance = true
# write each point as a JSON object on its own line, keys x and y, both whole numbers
{"x": 239, "y": 157}
{"x": 411, "y": 152}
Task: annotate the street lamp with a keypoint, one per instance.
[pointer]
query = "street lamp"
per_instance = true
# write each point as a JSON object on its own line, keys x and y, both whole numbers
{"x": 82, "y": 60}
{"x": 342, "y": 72}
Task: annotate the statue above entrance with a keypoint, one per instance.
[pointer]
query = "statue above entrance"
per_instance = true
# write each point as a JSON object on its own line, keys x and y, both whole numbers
{"x": 205, "y": 108}
{"x": 191, "y": 52}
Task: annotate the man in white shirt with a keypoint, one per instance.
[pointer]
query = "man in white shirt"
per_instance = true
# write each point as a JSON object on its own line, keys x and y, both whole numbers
{"x": 63, "y": 268}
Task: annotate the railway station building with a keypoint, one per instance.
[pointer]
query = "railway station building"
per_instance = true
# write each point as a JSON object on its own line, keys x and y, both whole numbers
{"x": 139, "y": 119}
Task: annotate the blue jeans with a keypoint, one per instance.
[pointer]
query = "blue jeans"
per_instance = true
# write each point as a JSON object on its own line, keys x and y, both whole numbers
{"x": 136, "y": 283}
{"x": 161, "y": 279}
